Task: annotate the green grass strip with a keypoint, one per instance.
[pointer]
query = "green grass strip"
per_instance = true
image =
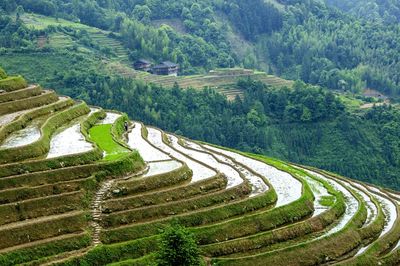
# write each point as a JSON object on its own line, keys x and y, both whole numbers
{"x": 102, "y": 136}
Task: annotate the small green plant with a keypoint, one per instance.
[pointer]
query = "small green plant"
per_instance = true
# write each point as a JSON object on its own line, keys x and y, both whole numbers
{"x": 178, "y": 247}
{"x": 3, "y": 74}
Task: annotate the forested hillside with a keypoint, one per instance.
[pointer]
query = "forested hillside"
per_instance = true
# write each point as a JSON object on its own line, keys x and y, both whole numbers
{"x": 71, "y": 46}
{"x": 294, "y": 39}
{"x": 387, "y": 11}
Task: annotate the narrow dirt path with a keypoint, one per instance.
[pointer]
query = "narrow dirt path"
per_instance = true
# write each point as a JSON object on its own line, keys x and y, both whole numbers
{"x": 96, "y": 210}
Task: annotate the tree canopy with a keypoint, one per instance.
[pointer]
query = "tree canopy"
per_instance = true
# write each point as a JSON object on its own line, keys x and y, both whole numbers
{"x": 178, "y": 248}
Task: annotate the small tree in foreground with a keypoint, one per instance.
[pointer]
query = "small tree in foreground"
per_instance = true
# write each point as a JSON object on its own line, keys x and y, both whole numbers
{"x": 3, "y": 74}
{"x": 178, "y": 247}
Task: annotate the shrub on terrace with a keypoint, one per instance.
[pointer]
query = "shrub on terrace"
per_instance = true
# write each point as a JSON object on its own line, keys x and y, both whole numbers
{"x": 3, "y": 74}
{"x": 178, "y": 247}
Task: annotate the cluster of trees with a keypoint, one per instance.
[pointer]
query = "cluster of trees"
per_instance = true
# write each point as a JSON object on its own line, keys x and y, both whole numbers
{"x": 305, "y": 40}
{"x": 387, "y": 11}
{"x": 323, "y": 46}
{"x": 13, "y": 33}
{"x": 203, "y": 48}
{"x": 193, "y": 53}
{"x": 253, "y": 18}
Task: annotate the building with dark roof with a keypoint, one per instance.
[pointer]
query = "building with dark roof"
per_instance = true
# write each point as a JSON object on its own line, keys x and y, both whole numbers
{"x": 142, "y": 65}
{"x": 166, "y": 68}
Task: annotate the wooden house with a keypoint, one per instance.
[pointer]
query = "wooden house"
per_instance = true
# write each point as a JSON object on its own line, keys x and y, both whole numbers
{"x": 166, "y": 68}
{"x": 142, "y": 65}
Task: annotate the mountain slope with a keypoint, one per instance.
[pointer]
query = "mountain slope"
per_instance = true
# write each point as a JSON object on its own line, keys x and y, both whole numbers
{"x": 86, "y": 191}
{"x": 294, "y": 39}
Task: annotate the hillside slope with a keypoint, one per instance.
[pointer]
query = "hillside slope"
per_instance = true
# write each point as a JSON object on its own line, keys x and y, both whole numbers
{"x": 293, "y": 39}
{"x": 76, "y": 189}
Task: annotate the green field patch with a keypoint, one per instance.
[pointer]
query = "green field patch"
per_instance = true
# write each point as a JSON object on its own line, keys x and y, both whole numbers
{"x": 327, "y": 201}
{"x": 350, "y": 102}
{"x": 101, "y": 134}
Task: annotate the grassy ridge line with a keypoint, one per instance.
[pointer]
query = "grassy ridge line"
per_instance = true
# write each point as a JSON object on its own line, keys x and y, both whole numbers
{"x": 30, "y": 91}
{"x": 166, "y": 195}
{"x": 59, "y": 162}
{"x": 393, "y": 259}
{"x": 47, "y": 177}
{"x": 178, "y": 176}
{"x": 380, "y": 247}
{"x": 13, "y": 83}
{"x": 47, "y": 97}
{"x": 371, "y": 231}
{"x": 104, "y": 254}
{"x": 29, "y": 209}
{"x": 129, "y": 163}
{"x": 27, "y": 193}
{"x": 48, "y": 247}
{"x": 183, "y": 206}
{"x": 126, "y": 233}
{"x": 292, "y": 231}
{"x": 118, "y": 129}
{"x": 143, "y": 261}
{"x": 262, "y": 221}
{"x": 24, "y": 119}
{"x": 314, "y": 252}
{"x": 42, "y": 146}
{"x": 42, "y": 228}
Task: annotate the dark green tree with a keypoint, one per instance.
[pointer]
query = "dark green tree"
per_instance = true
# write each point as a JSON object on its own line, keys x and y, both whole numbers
{"x": 178, "y": 247}
{"x": 3, "y": 74}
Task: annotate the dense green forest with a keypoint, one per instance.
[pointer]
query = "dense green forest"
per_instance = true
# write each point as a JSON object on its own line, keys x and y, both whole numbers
{"x": 300, "y": 40}
{"x": 387, "y": 11}
{"x": 304, "y": 40}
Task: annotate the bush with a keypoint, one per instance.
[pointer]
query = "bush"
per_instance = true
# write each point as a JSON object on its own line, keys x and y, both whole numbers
{"x": 178, "y": 247}
{"x": 3, "y": 74}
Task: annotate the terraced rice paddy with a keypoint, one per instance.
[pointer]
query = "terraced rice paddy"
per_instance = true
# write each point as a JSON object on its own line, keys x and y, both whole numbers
{"x": 23, "y": 137}
{"x": 110, "y": 118}
{"x": 222, "y": 80}
{"x": 287, "y": 187}
{"x": 101, "y": 134}
{"x": 351, "y": 202}
{"x": 7, "y": 118}
{"x": 200, "y": 171}
{"x": 98, "y": 37}
{"x": 69, "y": 141}
{"x": 88, "y": 193}
{"x": 158, "y": 168}
{"x": 150, "y": 153}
